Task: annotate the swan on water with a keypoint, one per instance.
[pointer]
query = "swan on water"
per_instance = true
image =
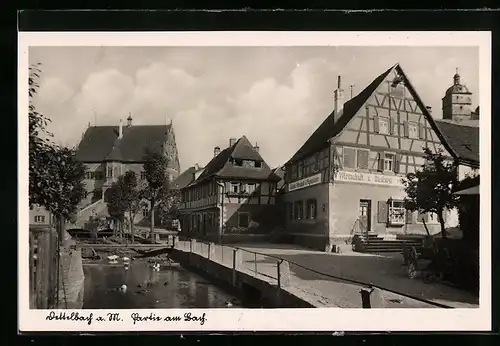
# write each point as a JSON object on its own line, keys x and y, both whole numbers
{"x": 123, "y": 288}
{"x": 229, "y": 304}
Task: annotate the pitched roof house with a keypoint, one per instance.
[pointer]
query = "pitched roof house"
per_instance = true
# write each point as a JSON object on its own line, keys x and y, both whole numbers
{"x": 346, "y": 177}
{"x": 233, "y": 195}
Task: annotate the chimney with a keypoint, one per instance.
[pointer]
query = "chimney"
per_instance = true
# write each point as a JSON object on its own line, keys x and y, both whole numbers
{"x": 216, "y": 151}
{"x": 429, "y": 109}
{"x": 196, "y": 167}
{"x": 256, "y": 147}
{"x": 120, "y": 130}
{"x": 338, "y": 98}
{"x": 232, "y": 141}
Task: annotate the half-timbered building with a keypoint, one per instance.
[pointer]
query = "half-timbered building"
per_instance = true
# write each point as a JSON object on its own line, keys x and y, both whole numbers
{"x": 232, "y": 198}
{"x": 346, "y": 177}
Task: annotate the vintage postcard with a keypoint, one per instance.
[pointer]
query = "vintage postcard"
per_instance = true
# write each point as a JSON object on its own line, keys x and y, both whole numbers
{"x": 254, "y": 181}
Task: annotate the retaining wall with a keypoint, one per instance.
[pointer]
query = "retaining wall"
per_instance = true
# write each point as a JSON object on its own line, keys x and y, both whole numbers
{"x": 242, "y": 281}
{"x": 71, "y": 279}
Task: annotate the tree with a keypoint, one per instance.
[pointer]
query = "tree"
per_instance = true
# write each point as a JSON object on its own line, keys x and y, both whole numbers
{"x": 131, "y": 197}
{"x": 55, "y": 176}
{"x": 430, "y": 190}
{"x": 116, "y": 204}
{"x": 155, "y": 168}
{"x": 169, "y": 204}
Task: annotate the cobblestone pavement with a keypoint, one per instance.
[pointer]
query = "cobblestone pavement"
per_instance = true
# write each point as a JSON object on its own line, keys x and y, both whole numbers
{"x": 385, "y": 270}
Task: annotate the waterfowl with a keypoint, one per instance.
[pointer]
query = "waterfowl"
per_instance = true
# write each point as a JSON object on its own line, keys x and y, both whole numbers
{"x": 228, "y": 304}
{"x": 123, "y": 288}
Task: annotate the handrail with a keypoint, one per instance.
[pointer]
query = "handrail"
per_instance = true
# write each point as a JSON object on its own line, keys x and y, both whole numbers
{"x": 351, "y": 281}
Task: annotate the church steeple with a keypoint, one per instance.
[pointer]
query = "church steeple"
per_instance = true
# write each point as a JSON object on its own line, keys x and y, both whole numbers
{"x": 456, "y": 78}
{"x": 457, "y": 102}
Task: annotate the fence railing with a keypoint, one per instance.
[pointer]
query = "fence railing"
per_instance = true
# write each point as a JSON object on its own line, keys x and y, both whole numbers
{"x": 277, "y": 270}
{"x": 43, "y": 268}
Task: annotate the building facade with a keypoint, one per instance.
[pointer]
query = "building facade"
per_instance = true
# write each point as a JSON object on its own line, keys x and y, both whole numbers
{"x": 111, "y": 151}
{"x": 346, "y": 178}
{"x": 457, "y": 104}
{"x": 232, "y": 198}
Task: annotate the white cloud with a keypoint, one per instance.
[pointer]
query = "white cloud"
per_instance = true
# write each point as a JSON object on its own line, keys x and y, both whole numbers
{"x": 275, "y": 96}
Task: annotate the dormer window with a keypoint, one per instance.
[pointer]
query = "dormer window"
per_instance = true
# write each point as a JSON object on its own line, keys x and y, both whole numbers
{"x": 258, "y": 164}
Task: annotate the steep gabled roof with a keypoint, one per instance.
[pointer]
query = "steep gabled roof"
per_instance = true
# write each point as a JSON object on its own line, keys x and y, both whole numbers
{"x": 185, "y": 178}
{"x": 281, "y": 174}
{"x": 331, "y": 128}
{"x": 221, "y": 166}
{"x": 101, "y": 142}
{"x": 463, "y": 139}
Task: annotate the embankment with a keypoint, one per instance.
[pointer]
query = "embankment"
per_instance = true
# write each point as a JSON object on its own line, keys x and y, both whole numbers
{"x": 71, "y": 277}
{"x": 249, "y": 287}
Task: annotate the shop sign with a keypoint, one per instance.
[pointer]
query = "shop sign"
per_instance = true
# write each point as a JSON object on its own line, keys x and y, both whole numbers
{"x": 369, "y": 178}
{"x": 300, "y": 184}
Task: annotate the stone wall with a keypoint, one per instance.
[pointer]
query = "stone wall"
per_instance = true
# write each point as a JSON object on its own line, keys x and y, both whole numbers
{"x": 71, "y": 277}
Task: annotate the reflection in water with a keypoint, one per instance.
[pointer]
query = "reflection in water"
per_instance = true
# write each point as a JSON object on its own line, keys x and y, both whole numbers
{"x": 171, "y": 287}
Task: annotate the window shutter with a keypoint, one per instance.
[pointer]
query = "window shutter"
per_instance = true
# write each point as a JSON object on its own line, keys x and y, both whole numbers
{"x": 407, "y": 130}
{"x": 382, "y": 212}
{"x": 375, "y": 124}
{"x": 409, "y": 216}
{"x": 397, "y": 163}
{"x": 421, "y": 131}
{"x": 391, "y": 126}
{"x": 380, "y": 161}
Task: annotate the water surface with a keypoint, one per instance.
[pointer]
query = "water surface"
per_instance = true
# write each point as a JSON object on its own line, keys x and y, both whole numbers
{"x": 171, "y": 287}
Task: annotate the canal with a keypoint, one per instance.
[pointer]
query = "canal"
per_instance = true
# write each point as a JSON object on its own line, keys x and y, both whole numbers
{"x": 172, "y": 286}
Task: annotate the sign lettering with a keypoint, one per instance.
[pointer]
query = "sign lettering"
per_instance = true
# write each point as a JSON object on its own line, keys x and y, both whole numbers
{"x": 300, "y": 184}
{"x": 368, "y": 178}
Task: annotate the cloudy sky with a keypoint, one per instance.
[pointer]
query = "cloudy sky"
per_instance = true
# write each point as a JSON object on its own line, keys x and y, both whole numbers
{"x": 276, "y": 96}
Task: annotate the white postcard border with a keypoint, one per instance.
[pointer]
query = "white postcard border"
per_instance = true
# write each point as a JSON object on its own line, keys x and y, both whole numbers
{"x": 324, "y": 319}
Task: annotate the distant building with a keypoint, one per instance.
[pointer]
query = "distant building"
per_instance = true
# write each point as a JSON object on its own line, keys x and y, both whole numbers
{"x": 346, "y": 178}
{"x": 39, "y": 216}
{"x": 186, "y": 177}
{"x": 232, "y": 198}
{"x": 457, "y": 104}
{"x": 110, "y": 151}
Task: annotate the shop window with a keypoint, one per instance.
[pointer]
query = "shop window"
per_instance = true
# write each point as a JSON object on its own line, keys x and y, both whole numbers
{"x": 397, "y": 212}
{"x": 349, "y": 158}
{"x": 243, "y": 219}
{"x": 311, "y": 209}
{"x": 362, "y": 159}
{"x": 298, "y": 210}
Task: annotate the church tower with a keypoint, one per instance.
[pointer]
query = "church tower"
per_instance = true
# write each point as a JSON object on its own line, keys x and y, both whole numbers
{"x": 457, "y": 102}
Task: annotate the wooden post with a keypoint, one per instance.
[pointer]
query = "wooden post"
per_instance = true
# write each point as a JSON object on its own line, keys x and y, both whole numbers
{"x": 365, "y": 297}
{"x": 283, "y": 273}
{"x": 236, "y": 265}
{"x": 255, "y": 263}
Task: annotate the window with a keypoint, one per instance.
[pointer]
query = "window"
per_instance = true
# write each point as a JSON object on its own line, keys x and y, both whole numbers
{"x": 39, "y": 219}
{"x": 237, "y": 162}
{"x": 396, "y": 212}
{"x": 298, "y": 210}
{"x": 116, "y": 172}
{"x": 349, "y": 158}
{"x": 300, "y": 169}
{"x": 383, "y": 125}
{"x": 250, "y": 188}
{"x": 412, "y": 130}
{"x": 243, "y": 219}
{"x": 110, "y": 172}
{"x": 143, "y": 175}
{"x": 311, "y": 209}
{"x": 145, "y": 212}
{"x": 290, "y": 211}
{"x": 388, "y": 162}
{"x": 235, "y": 187}
{"x": 362, "y": 159}
{"x": 258, "y": 164}
{"x": 248, "y": 163}
{"x": 294, "y": 172}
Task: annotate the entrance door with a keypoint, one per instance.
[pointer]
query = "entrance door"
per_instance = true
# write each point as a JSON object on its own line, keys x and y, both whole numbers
{"x": 365, "y": 214}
